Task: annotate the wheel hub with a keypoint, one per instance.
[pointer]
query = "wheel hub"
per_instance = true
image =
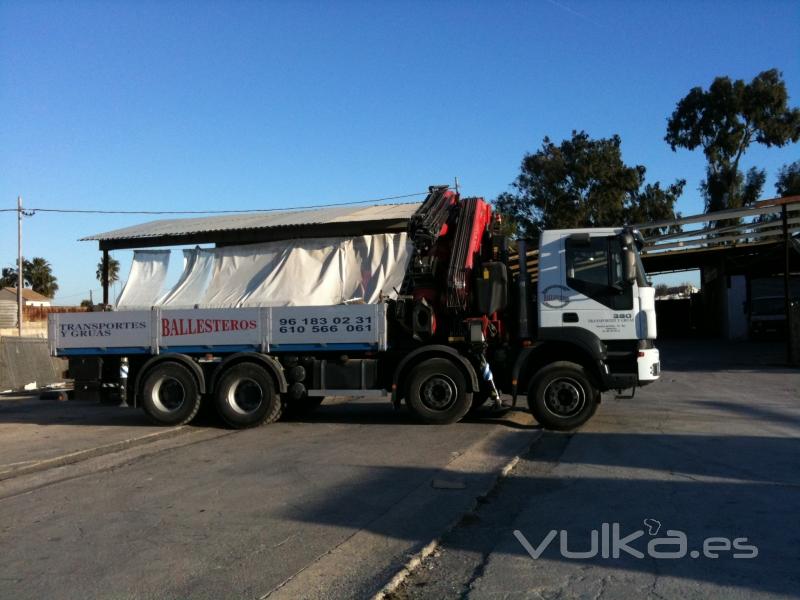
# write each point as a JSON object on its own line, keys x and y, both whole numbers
{"x": 245, "y": 396}
{"x": 564, "y": 397}
{"x": 169, "y": 394}
{"x": 438, "y": 392}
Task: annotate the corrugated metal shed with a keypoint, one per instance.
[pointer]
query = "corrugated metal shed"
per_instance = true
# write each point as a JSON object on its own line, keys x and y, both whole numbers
{"x": 258, "y": 227}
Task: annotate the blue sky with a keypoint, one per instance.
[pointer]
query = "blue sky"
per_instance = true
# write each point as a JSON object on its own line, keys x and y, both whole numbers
{"x": 228, "y": 105}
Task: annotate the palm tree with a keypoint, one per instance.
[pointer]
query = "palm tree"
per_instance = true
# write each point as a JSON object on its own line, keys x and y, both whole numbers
{"x": 38, "y": 273}
{"x": 113, "y": 270}
{"x": 9, "y": 277}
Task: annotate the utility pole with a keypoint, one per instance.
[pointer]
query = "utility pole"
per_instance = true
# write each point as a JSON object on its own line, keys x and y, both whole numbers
{"x": 19, "y": 265}
{"x": 456, "y": 184}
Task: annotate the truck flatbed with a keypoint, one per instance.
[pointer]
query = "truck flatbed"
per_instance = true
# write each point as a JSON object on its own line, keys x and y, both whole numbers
{"x": 344, "y": 327}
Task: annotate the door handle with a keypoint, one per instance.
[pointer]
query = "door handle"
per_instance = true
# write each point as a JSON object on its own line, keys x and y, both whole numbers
{"x": 569, "y": 317}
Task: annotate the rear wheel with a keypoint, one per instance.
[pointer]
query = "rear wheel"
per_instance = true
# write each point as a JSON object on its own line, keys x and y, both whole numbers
{"x": 437, "y": 392}
{"x": 170, "y": 394}
{"x": 245, "y": 396}
{"x": 562, "y": 397}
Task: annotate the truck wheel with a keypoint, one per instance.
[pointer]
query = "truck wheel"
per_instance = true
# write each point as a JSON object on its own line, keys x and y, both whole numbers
{"x": 437, "y": 392}
{"x": 170, "y": 395}
{"x": 245, "y": 397}
{"x": 562, "y": 397}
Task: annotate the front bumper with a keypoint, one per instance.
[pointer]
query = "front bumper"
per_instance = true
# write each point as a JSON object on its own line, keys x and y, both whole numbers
{"x": 648, "y": 366}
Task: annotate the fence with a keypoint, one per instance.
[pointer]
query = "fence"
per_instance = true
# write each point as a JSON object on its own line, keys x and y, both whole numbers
{"x": 39, "y": 313}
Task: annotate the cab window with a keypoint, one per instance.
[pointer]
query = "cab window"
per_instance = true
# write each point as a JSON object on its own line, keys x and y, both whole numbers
{"x": 595, "y": 269}
{"x": 588, "y": 262}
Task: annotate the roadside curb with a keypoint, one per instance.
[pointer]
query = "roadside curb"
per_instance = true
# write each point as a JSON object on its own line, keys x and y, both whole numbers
{"x": 388, "y": 590}
{"x": 82, "y": 455}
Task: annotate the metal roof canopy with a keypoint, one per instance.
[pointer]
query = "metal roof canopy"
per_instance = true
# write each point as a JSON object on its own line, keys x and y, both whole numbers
{"x": 252, "y": 228}
{"x": 762, "y": 257}
{"x": 772, "y": 205}
{"x": 676, "y": 251}
{"x": 768, "y": 245}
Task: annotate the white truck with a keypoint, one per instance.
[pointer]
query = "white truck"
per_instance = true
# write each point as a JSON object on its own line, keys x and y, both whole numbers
{"x": 473, "y": 313}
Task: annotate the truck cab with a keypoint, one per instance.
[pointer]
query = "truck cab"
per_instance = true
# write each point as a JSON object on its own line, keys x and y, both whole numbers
{"x": 596, "y": 324}
{"x": 593, "y": 287}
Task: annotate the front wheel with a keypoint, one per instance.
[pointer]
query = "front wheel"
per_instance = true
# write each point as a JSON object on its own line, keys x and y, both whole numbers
{"x": 561, "y": 396}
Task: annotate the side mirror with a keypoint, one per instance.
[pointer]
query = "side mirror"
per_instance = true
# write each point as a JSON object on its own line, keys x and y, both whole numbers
{"x": 630, "y": 266}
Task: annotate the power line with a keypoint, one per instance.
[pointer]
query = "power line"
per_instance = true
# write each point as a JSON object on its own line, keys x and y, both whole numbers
{"x": 211, "y": 212}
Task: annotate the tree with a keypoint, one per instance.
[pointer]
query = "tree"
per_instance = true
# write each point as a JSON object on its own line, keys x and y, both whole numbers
{"x": 724, "y": 121}
{"x": 731, "y": 189}
{"x": 788, "y": 183}
{"x": 37, "y": 274}
{"x": 583, "y": 182}
{"x": 113, "y": 270}
{"x": 655, "y": 204}
{"x": 9, "y": 277}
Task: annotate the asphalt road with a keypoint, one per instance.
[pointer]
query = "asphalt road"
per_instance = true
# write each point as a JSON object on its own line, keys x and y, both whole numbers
{"x": 327, "y": 508}
{"x": 710, "y": 451}
{"x": 95, "y": 503}
{"x": 33, "y": 430}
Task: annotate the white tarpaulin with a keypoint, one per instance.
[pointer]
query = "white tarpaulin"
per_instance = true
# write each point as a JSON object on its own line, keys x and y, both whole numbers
{"x": 148, "y": 272}
{"x": 302, "y": 272}
{"x": 197, "y": 267}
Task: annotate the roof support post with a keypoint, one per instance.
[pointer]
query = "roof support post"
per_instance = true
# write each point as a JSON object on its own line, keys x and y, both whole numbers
{"x": 786, "y": 284}
{"x": 105, "y": 277}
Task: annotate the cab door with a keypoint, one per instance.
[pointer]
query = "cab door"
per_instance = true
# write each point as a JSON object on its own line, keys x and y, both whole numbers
{"x": 601, "y": 300}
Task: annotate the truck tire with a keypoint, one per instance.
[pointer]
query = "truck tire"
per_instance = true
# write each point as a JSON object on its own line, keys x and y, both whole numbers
{"x": 170, "y": 394}
{"x": 437, "y": 392}
{"x": 245, "y": 396}
{"x": 561, "y": 396}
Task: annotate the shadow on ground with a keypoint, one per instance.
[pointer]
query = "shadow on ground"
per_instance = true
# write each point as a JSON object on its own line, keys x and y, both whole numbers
{"x": 78, "y": 412}
{"x": 680, "y": 480}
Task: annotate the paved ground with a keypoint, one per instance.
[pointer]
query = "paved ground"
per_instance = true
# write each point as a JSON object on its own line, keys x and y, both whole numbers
{"x": 33, "y": 430}
{"x": 333, "y": 506}
{"x": 706, "y": 453}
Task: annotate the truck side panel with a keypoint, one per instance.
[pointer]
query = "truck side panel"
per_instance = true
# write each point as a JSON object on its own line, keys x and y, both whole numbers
{"x": 197, "y": 331}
